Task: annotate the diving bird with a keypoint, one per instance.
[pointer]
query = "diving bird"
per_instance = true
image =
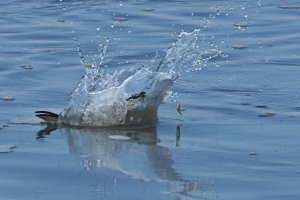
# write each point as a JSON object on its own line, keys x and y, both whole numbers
{"x": 133, "y": 103}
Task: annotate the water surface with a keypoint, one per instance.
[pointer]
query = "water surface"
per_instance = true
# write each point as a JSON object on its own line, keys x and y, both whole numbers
{"x": 239, "y": 132}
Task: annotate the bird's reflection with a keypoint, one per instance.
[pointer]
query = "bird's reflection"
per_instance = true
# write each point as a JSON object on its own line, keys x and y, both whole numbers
{"x": 134, "y": 152}
{"x": 177, "y": 135}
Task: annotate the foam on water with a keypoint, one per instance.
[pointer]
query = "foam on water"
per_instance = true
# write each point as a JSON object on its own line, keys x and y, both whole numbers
{"x": 102, "y": 98}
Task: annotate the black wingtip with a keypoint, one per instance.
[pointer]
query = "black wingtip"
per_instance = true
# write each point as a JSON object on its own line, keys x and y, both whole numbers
{"x": 42, "y": 112}
{"x": 48, "y": 117}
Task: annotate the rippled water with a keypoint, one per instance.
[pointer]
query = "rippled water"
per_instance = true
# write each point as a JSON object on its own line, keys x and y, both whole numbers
{"x": 237, "y": 137}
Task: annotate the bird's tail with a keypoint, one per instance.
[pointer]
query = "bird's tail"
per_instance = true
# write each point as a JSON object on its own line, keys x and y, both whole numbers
{"x": 48, "y": 117}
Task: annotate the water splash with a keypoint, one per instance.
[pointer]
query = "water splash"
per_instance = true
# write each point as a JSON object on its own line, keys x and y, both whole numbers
{"x": 106, "y": 96}
{"x": 190, "y": 52}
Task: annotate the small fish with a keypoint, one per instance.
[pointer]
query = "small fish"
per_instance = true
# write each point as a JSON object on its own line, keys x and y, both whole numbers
{"x": 178, "y": 108}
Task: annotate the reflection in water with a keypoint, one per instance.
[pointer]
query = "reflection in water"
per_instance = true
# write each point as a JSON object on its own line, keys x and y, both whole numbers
{"x": 46, "y": 131}
{"x": 136, "y": 154}
{"x": 177, "y": 135}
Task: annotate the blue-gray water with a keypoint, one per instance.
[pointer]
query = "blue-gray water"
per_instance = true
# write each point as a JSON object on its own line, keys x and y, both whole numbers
{"x": 238, "y": 137}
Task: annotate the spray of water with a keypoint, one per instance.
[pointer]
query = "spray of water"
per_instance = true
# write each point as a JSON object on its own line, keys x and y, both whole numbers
{"x": 103, "y": 99}
{"x": 187, "y": 54}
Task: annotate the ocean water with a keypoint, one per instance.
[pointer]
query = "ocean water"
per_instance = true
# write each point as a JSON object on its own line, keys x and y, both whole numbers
{"x": 238, "y": 87}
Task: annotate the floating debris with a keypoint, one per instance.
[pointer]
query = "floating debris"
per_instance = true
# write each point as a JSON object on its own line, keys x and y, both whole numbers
{"x": 7, "y": 98}
{"x": 7, "y": 148}
{"x": 148, "y": 9}
{"x": 241, "y": 25}
{"x": 26, "y": 66}
{"x": 289, "y": 6}
{"x": 245, "y": 104}
{"x": 268, "y": 114}
{"x": 252, "y": 153}
{"x": 239, "y": 47}
{"x": 119, "y": 137}
{"x": 261, "y": 106}
{"x": 120, "y": 19}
